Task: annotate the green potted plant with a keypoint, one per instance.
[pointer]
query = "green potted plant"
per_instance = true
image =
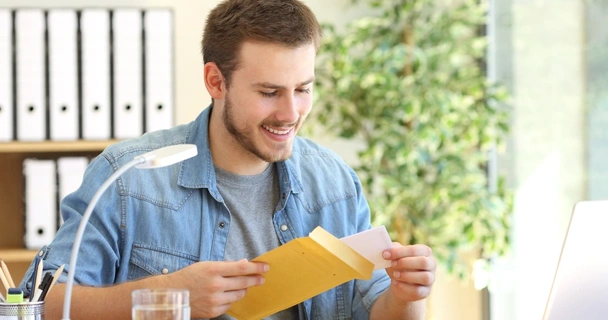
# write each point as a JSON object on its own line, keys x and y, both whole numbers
{"x": 408, "y": 82}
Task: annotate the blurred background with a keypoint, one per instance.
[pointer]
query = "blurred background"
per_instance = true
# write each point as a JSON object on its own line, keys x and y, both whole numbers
{"x": 550, "y": 58}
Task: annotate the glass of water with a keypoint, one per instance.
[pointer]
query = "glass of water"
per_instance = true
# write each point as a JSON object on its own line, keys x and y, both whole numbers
{"x": 160, "y": 304}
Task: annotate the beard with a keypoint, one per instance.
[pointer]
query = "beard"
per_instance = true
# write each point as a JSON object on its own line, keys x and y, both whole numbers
{"x": 245, "y": 137}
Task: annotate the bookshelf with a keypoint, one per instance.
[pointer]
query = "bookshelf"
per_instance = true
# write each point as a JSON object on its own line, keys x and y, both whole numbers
{"x": 12, "y": 188}
{"x": 54, "y": 146}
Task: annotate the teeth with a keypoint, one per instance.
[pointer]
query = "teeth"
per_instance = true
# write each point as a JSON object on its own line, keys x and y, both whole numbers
{"x": 276, "y": 131}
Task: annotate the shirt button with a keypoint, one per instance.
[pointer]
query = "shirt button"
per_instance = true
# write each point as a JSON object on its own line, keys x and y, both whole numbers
{"x": 222, "y": 224}
{"x": 40, "y": 253}
{"x": 165, "y": 271}
{"x": 284, "y": 228}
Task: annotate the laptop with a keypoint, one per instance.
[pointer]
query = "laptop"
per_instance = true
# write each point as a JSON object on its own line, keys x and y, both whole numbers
{"x": 580, "y": 285}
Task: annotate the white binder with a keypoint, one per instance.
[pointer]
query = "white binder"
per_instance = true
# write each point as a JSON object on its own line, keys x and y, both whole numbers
{"x": 31, "y": 108}
{"x": 63, "y": 74}
{"x": 95, "y": 55}
{"x": 6, "y": 67}
{"x": 40, "y": 202}
{"x": 70, "y": 171}
{"x": 158, "y": 26}
{"x": 128, "y": 108}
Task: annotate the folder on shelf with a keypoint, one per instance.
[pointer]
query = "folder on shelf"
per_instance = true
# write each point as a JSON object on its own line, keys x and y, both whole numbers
{"x": 40, "y": 202}
{"x": 30, "y": 61}
{"x": 70, "y": 171}
{"x": 6, "y": 75}
{"x": 63, "y": 74}
{"x": 158, "y": 28}
{"x": 95, "y": 55}
{"x": 128, "y": 84}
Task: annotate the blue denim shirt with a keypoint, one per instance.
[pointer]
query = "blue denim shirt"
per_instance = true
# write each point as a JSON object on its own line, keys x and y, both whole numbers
{"x": 151, "y": 222}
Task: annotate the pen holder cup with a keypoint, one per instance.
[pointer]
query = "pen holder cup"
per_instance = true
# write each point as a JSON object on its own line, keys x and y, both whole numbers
{"x": 22, "y": 311}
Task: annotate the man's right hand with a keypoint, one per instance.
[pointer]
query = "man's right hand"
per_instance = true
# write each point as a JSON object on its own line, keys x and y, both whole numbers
{"x": 214, "y": 286}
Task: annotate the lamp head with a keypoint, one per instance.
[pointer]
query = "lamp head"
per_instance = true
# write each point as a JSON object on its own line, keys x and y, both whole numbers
{"x": 166, "y": 156}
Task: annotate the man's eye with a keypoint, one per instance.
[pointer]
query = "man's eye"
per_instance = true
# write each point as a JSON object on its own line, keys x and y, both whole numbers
{"x": 268, "y": 94}
{"x": 306, "y": 90}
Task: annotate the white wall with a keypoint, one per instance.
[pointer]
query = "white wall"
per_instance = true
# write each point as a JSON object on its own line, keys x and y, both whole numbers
{"x": 549, "y": 135}
{"x": 546, "y": 157}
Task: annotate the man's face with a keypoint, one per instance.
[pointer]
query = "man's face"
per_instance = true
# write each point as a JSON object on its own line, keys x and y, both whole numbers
{"x": 269, "y": 96}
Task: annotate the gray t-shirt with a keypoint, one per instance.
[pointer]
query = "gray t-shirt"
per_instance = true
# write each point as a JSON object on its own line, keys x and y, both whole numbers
{"x": 252, "y": 202}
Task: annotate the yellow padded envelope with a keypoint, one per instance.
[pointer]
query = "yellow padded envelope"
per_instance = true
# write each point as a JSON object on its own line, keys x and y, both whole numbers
{"x": 300, "y": 270}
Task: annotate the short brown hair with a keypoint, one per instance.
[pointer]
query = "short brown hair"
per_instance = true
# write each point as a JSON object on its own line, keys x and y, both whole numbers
{"x": 232, "y": 22}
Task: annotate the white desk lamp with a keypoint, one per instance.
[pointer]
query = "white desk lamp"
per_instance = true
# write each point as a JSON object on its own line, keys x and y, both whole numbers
{"x": 155, "y": 159}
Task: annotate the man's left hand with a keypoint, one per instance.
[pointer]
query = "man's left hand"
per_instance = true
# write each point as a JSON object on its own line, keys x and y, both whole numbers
{"x": 412, "y": 272}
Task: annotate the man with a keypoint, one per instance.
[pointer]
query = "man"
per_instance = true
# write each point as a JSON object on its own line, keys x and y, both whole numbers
{"x": 253, "y": 186}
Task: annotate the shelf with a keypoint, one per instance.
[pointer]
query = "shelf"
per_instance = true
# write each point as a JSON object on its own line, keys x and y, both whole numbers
{"x": 55, "y": 146}
{"x": 17, "y": 255}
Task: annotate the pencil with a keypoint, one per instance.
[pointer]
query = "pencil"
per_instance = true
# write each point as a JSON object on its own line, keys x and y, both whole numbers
{"x": 4, "y": 281}
{"x": 38, "y": 278}
{"x": 56, "y": 277}
{"x": 7, "y": 274}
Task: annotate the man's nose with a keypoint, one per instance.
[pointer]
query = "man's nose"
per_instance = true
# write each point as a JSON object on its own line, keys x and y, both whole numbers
{"x": 287, "y": 111}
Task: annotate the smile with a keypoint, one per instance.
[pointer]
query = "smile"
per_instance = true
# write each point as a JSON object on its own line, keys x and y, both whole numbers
{"x": 284, "y": 132}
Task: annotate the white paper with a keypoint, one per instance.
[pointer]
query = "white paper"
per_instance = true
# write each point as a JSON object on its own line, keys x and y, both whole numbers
{"x": 371, "y": 244}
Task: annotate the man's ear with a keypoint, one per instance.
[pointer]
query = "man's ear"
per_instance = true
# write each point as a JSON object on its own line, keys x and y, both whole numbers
{"x": 214, "y": 81}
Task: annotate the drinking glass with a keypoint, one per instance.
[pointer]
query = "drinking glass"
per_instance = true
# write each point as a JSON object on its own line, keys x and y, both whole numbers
{"x": 160, "y": 304}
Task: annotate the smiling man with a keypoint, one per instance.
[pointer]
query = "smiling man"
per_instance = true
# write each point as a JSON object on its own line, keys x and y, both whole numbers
{"x": 253, "y": 186}
{"x": 258, "y": 113}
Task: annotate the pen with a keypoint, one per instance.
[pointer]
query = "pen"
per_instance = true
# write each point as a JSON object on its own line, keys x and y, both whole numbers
{"x": 2, "y": 298}
{"x": 7, "y": 274}
{"x": 43, "y": 287}
{"x": 34, "y": 274}
{"x": 46, "y": 288}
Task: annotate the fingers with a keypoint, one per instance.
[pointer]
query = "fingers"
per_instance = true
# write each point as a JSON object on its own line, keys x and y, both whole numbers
{"x": 400, "y": 251}
{"x": 235, "y": 276}
{"x": 241, "y": 282}
{"x": 218, "y": 284}
{"x": 226, "y": 298}
{"x": 241, "y": 267}
{"x": 410, "y": 292}
{"x": 412, "y": 271}
{"x": 415, "y": 263}
{"x": 422, "y": 278}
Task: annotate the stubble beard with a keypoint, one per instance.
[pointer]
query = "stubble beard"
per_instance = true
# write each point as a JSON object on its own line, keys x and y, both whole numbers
{"x": 245, "y": 137}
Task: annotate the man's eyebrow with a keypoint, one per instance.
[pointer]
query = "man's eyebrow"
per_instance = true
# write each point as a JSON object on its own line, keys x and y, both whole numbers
{"x": 269, "y": 85}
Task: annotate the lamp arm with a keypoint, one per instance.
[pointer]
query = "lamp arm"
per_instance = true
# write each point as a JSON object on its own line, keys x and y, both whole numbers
{"x": 82, "y": 227}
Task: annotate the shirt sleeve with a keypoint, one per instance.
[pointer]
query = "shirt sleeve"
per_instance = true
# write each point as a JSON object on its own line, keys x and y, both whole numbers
{"x": 366, "y": 292}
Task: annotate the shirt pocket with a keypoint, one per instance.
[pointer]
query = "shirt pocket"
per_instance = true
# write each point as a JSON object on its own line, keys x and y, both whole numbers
{"x": 150, "y": 260}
